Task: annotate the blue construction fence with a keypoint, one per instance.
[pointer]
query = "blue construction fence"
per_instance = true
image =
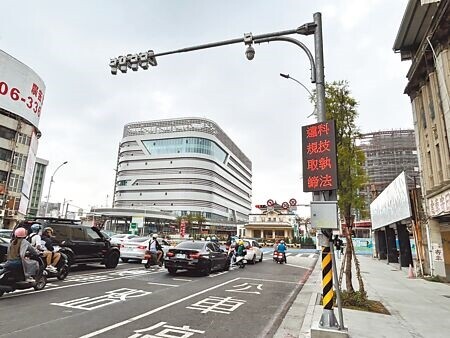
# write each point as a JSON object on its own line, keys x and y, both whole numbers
{"x": 364, "y": 246}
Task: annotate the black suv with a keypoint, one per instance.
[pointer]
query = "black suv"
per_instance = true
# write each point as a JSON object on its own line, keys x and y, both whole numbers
{"x": 82, "y": 244}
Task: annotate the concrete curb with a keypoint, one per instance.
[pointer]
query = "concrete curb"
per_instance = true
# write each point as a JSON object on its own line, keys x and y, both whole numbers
{"x": 298, "y": 317}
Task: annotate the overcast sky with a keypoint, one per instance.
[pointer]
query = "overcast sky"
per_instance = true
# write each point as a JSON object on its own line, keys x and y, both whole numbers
{"x": 69, "y": 45}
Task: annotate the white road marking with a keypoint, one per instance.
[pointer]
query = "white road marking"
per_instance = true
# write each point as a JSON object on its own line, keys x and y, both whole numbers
{"x": 182, "y": 279}
{"x": 269, "y": 280}
{"x": 70, "y": 286}
{"x": 110, "y": 297}
{"x": 215, "y": 304}
{"x": 174, "y": 285}
{"x": 148, "y": 313}
{"x": 298, "y": 266}
{"x": 217, "y": 274}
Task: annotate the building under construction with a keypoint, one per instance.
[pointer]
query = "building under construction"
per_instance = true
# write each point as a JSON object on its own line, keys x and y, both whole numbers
{"x": 388, "y": 153}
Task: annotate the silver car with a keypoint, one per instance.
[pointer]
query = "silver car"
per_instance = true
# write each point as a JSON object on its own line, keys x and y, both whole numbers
{"x": 135, "y": 248}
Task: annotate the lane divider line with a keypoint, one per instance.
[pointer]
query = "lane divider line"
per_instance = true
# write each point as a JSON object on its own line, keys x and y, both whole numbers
{"x": 174, "y": 285}
{"x": 182, "y": 279}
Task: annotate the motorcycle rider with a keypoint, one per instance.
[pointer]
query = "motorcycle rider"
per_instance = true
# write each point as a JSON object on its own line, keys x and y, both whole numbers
{"x": 155, "y": 248}
{"x": 35, "y": 237}
{"x": 240, "y": 250}
{"x": 51, "y": 256}
{"x": 16, "y": 255}
{"x": 282, "y": 248}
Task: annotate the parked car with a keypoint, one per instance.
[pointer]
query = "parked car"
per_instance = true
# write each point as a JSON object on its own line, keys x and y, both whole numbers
{"x": 5, "y": 233}
{"x": 135, "y": 248}
{"x": 120, "y": 238}
{"x": 202, "y": 256}
{"x": 4, "y": 244}
{"x": 82, "y": 244}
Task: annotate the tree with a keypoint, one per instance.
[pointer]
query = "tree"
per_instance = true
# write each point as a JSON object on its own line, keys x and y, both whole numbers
{"x": 341, "y": 107}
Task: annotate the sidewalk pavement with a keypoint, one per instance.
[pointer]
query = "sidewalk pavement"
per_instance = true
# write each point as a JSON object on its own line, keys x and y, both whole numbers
{"x": 418, "y": 308}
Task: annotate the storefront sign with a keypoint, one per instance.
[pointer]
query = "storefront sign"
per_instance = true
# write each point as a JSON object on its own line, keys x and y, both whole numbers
{"x": 319, "y": 157}
{"x": 392, "y": 205}
{"x": 440, "y": 204}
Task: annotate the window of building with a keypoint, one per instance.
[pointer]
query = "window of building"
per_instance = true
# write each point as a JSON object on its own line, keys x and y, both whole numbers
{"x": 430, "y": 101}
{"x": 186, "y": 145}
{"x": 19, "y": 161}
{"x": 7, "y": 133}
{"x": 5, "y": 155}
{"x": 15, "y": 182}
{"x": 3, "y": 176}
{"x": 439, "y": 163}
{"x": 23, "y": 139}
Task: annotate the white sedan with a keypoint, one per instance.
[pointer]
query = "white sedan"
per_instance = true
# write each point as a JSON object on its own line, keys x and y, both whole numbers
{"x": 254, "y": 252}
{"x": 135, "y": 248}
{"x": 120, "y": 238}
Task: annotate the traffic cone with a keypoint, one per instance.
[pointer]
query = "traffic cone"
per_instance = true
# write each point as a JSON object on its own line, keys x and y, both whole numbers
{"x": 410, "y": 272}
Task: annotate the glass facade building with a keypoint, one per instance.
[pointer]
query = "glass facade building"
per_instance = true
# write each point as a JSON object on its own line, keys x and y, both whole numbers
{"x": 40, "y": 168}
{"x": 185, "y": 166}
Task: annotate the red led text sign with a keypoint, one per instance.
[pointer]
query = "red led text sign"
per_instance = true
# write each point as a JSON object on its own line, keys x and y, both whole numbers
{"x": 319, "y": 157}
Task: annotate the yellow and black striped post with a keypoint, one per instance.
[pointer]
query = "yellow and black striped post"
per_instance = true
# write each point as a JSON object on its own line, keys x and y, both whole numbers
{"x": 328, "y": 320}
{"x": 327, "y": 279}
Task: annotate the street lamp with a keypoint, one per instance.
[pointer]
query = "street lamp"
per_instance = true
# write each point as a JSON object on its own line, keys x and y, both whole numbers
{"x": 50, "y": 186}
{"x": 286, "y": 76}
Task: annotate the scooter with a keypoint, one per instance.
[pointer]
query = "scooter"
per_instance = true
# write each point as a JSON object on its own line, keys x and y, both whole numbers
{"x": 150, "y": 260}
{"x": 62, "y": 267}
{"x": 240, "y": 262}
{"x": 275, "y": 256}
{"x": 14, "y": 279}
{"x": 279, "y": 257}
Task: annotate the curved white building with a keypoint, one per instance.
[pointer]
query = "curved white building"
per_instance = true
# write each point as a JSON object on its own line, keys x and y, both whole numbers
{"x": 22, "y": 94}
{"x": 187, "y": 166}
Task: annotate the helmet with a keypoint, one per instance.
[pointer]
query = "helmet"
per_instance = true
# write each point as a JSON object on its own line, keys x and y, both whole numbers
{"x": 155, "y": 236}
{"x": 48, "y": 229}
{"x": 20, "y": 233}
{"x": 282, "y": 241}
{"x": 36, "y": 227}
{"x": 241, "y": 242}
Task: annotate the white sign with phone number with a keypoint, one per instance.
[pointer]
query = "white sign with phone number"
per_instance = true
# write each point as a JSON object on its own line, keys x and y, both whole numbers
{"x": 21, "y": 89}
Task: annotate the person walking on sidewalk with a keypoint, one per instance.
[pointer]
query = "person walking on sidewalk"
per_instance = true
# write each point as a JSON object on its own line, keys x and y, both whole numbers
{"x": 337, "y": 242}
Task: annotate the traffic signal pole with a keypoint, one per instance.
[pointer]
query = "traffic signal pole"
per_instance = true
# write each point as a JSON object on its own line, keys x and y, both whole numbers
{"x": 328, "y": 319}
{"x": 145, "y": 59}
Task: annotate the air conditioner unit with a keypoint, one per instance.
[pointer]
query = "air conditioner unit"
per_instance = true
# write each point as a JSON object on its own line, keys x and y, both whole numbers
{"x": 2, "y": 213}
{"x": 10, "y": 213}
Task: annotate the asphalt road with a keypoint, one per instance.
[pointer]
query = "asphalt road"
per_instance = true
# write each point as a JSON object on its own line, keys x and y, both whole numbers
{"x": 130, "y": 301}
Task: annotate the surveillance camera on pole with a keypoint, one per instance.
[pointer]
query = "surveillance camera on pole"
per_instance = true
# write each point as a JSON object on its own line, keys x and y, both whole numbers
{"x": 250, "y": 51}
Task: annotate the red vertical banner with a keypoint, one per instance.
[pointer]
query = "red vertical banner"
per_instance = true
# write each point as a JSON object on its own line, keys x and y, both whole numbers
{"x": 182, "y": 228}
{"x": 319, "y": 156}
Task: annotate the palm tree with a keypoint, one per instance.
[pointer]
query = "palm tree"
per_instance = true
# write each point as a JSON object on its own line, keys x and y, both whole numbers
{"x": 200, "y": 219}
